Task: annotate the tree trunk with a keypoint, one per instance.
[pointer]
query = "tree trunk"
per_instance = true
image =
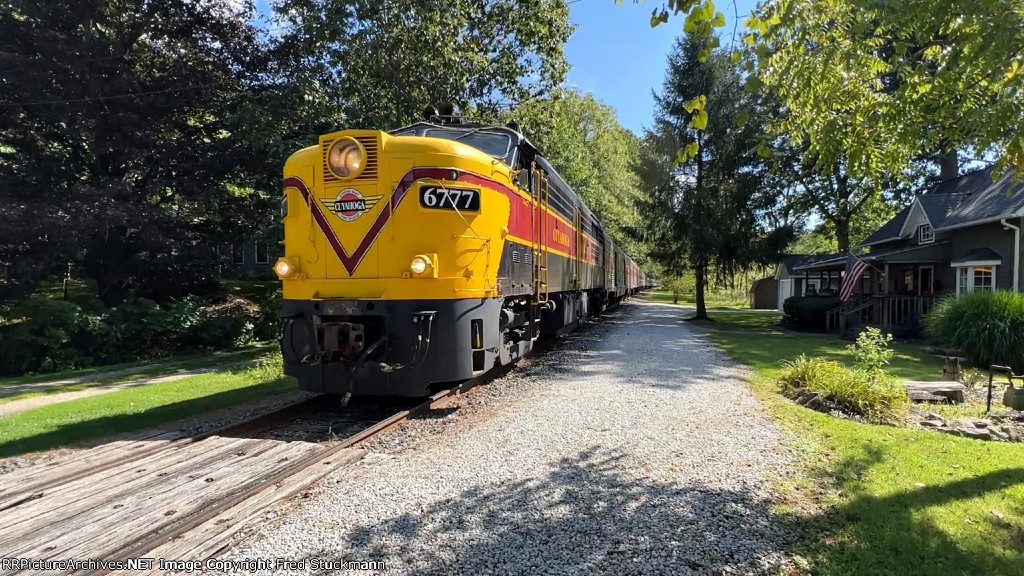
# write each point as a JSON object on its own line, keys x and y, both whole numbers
{"x": 843, "y": 233}
{"x": 949, "y": 166}
{"x": 701, "y": 273}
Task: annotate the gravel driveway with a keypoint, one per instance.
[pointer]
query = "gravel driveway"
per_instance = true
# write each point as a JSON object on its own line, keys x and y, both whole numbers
{"x": 635, "y": 448}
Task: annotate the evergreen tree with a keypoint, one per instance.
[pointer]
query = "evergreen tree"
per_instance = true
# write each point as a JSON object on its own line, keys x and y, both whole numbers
{"x": 706, "y": 213}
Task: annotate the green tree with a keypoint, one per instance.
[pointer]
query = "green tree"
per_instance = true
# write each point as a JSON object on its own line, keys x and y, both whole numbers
{"x": 378, "y": 63}
{"x": 876, "y": 83}
{"x": 705, "y": 213}
{"x": 122, "y": 147}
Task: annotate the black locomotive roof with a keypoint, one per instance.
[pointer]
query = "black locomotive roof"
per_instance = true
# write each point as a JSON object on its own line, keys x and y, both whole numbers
{"x": 518, "y": 139}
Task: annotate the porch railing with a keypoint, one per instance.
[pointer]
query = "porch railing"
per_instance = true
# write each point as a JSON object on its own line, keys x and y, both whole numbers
{"x": 885, "y": 312}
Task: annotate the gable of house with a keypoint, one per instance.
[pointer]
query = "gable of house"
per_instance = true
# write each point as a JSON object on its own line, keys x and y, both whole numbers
{"x": 969, "y": 200}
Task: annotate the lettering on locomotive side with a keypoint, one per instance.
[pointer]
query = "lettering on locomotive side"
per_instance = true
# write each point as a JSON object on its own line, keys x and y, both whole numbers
{"x": 561, "y": 237}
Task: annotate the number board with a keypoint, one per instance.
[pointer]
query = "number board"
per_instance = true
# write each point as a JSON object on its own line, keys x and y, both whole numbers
{"x": 440, "y": 198}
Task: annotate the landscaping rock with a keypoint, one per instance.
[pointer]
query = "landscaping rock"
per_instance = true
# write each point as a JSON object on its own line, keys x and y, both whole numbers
{"x": 933, "y": 423}
{"x": 998, "y": 434}
{"x": 935, "y": 391}
{"x": 810, "y": 400}
{"x": 972, "y": 432}
{"x": 971, "y": 423}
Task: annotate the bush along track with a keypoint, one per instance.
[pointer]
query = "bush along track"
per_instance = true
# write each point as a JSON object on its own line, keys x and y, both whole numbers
{"x": 41, "y": 334}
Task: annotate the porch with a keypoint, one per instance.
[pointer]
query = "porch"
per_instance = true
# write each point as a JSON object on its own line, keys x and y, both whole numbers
{"x": 894, "y": 293}
{"x": 887, "y": 312}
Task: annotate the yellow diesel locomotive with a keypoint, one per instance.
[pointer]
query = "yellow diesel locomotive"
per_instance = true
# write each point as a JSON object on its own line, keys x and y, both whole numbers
{"x": 429, "y": 254}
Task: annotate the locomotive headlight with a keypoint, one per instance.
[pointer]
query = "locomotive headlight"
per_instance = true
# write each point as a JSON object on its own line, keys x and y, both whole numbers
{"x": 285, "y": 269}
{"x": 419, "y": 265}
{"x": 346, "y": 158}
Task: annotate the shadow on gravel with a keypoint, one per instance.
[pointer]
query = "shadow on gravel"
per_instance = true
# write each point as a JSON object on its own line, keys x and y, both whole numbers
{"x": 584, "y": 517}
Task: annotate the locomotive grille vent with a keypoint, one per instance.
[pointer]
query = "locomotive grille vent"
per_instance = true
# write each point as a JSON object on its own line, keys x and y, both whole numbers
{"x": 528, "y": 258}
{"x": 368, "y": 173}
{"x": 516, "y": 258}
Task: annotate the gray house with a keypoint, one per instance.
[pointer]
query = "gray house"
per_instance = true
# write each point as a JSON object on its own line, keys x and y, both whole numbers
{"x": 957, "y": 236}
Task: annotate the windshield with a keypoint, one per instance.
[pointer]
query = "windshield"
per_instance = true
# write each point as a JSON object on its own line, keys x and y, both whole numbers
{"x": 491, "y": 143}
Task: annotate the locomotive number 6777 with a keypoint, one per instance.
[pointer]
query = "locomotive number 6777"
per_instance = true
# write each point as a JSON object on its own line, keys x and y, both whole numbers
{"x": 390, "y": 295}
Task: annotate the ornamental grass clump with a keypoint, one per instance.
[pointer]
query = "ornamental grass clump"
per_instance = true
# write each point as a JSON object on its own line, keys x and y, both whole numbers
{"x": 987, "y": 327}
{"x": 865, "y": 390}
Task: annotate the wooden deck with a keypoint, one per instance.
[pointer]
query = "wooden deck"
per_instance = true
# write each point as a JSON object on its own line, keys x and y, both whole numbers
{"x": 62, "y": 511}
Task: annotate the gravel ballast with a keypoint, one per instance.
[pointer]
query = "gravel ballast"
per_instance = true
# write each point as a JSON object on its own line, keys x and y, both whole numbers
{"x": 635, "y": 448}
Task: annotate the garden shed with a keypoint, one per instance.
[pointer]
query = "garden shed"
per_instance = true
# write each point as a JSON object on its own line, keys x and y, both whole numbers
{"x": 764, "y": 294}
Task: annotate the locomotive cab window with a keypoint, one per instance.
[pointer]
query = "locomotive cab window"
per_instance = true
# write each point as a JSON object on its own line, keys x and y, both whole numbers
{"x": 490, "y": 143}
{"x": 524, "y": 164}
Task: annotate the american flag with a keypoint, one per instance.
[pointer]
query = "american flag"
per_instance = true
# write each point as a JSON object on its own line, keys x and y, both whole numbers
{"x": 855, "y": 268}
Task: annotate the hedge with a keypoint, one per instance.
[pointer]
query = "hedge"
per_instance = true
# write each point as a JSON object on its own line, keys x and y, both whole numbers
{"x": 809, "y": 311}
{"x": 43, "y": 334}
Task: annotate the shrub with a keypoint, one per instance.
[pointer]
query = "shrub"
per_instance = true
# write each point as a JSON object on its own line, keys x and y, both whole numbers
{"x": 809, "y": 311}
{"x": 872, "y": 350}
{"x": 987, "y": 327}
{"x": 50, "y": 335}
{"x": 878, "y": 397}
{"x": 684, "y": 286}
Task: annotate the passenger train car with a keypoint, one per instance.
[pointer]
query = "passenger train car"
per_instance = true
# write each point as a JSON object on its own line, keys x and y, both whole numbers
{"x": 432, "y": 253}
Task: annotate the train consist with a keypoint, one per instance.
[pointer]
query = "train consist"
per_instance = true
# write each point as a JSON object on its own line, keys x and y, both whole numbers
{"x": 430, "y": 254}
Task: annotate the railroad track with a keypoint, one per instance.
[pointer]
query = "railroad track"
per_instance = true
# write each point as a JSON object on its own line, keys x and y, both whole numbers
{"x": 209, "y": 484}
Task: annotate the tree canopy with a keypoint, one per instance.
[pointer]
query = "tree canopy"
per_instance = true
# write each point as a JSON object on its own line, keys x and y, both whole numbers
{"x": 120, "y": 145}
{"x": 138, "y": 136}
{"x": 377, "y": 64}
{"x": 875, "y": 84}
{"x": 879, "y": 82}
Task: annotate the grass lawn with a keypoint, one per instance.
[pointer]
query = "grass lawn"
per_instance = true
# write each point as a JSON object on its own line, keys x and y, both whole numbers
{"x": 712, "y": 301}
{"x": 137, "y": 408}
{"x": 888, "y": 500}
{"x": 755, "y": 320}
{"x": 156, "y": 367}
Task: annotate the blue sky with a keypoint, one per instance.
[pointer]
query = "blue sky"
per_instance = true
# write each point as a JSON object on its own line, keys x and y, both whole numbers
{"x": 620, "y": 59}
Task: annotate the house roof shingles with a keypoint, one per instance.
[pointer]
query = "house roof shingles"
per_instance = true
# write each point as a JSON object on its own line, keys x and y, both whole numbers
{"x": 960, "y": 201}
{"x": 890, "y": 230}
{"x": 983, "y": 254}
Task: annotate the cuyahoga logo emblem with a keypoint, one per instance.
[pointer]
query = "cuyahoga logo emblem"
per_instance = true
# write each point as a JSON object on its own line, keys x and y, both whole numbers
{"x": 350, "y": 204}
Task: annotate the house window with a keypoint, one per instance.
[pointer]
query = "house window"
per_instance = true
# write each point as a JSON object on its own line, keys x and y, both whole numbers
{"x": 926, "y": 234}
{"x": 971, "y": 278}
{"x": 262, "y": 256}
{"x": 238, "y": 253}
{"x": 983, "y": 277}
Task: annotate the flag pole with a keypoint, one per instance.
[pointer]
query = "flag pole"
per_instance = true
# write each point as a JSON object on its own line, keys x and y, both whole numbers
{"x": 870, "y": 265}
